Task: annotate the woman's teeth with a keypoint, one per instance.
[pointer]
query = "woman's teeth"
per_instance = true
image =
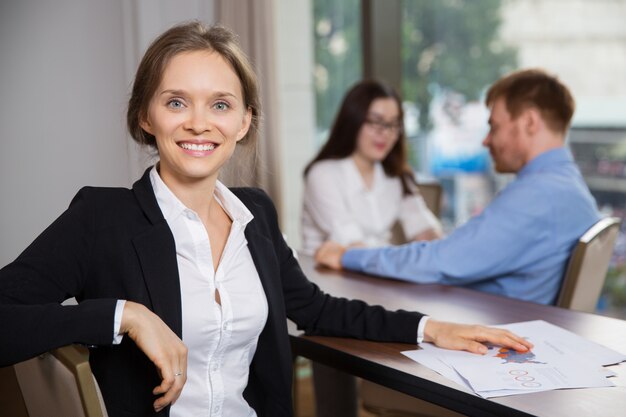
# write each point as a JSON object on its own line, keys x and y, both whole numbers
{"x": 198, "y": 147}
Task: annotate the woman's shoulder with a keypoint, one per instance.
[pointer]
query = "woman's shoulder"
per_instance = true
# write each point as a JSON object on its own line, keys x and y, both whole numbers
{"x": 104, "y": 195}
{"x": 329, "y": 165}
{"x": 116, "y": 202}
{"x": 329, "y": 170}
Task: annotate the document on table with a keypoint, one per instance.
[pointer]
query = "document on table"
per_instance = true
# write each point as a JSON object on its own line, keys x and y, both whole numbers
{"x": 560, "y": 359}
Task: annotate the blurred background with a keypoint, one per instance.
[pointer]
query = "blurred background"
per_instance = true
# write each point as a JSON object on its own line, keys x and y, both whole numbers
{"x": 66, "y": 68}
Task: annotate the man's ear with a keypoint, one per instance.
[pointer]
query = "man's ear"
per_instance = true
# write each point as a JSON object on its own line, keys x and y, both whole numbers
{"x": 533, "y": 121}
{"x": 247, "y": 120}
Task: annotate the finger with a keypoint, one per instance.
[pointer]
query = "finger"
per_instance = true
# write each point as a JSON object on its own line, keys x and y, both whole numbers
{"x": 166, "y": 384}
{"x": 171, "y": 394}
{"x": 463, "y": 343}
{"x": 508, "y": 339}
{"x": 476, "y": 347}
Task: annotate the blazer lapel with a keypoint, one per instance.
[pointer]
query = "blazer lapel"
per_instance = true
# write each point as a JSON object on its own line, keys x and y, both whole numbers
{"x": 156, "y": 251}
{"x": 262, "y": 251}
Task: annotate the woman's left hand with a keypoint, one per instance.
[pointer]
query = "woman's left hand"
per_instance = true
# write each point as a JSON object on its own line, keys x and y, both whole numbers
{"x": 472, "y": 337}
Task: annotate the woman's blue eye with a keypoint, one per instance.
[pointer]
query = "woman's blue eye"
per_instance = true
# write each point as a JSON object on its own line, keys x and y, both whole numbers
{"x": 221, "y": 106}
{"x": 175, "y": 104}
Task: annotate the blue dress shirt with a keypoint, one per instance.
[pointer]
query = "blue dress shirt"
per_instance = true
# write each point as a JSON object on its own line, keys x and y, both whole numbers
{"x": 517, "y": 247}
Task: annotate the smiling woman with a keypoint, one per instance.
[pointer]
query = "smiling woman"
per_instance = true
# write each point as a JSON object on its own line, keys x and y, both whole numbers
{"x": 181, "y": 281}
{"x": 196, "y": 119}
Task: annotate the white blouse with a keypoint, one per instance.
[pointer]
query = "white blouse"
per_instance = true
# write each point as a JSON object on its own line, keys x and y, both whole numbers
{"x": 221, "y": 339}
{"x": 338, "y": 206}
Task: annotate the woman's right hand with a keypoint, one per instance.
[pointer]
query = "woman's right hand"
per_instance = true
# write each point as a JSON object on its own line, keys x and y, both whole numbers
{"x": 472, "y": 337}
{"x": 162, "y": 346}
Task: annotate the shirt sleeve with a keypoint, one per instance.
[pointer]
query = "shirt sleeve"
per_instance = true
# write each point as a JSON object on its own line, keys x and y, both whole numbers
{"x": 117, "y": 322}
{"x": 325, "y": 200}
{"x": 420, "y": 329}
{"x": 511, "y": 232}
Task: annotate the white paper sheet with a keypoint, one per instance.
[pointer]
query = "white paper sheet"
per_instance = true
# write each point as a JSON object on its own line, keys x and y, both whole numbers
{"x": 560, "y": 359}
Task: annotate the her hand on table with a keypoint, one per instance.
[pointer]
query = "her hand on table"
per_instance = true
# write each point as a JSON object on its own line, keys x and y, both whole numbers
{"x": 470, "y": 337}
{"x": 162, "y": 346}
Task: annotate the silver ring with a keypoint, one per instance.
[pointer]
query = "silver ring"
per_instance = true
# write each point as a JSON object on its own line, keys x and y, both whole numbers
{"x": 178, "y": 374}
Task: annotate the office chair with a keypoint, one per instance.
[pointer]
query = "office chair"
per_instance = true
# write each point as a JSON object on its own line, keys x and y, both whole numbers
{"x": 586, "y": 269}
{"x": 431, "y": 193}
{"x": 60, "y": 383}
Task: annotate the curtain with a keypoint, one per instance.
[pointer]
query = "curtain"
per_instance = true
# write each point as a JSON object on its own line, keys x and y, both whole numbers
{"x": 252, "y": 21}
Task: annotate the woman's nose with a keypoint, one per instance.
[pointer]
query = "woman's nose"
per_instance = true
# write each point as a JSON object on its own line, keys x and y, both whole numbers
{"x": 198, "y": 122}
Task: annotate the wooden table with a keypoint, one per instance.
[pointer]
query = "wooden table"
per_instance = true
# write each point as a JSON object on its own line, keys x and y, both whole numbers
{"x": 383, "y": 363}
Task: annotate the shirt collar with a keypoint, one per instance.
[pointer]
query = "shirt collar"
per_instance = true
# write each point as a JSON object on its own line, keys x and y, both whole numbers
{"x": 172, "y": 207}
{"x": 547, "y": 160}
{"x": 353, "y": 170}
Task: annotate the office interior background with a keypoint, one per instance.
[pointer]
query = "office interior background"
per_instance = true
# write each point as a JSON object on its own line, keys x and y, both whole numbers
{"x": 66, "y": 68}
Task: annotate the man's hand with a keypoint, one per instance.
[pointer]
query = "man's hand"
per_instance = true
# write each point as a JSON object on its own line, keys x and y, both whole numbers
{"x": 161, "y": 346}
{"x": 471, "y": 337}
{"x": 329, "y": 255}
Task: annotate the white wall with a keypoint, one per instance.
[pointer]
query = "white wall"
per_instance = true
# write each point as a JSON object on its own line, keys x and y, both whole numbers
{"x": 583, "y": 42}
{"x": 65, "y": 72}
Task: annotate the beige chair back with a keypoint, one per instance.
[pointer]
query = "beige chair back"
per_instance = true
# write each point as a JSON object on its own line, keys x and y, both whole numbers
{"x": 431, "y": 193}
{"x": 60, "y": 383}
{"x": 587, "y": 267}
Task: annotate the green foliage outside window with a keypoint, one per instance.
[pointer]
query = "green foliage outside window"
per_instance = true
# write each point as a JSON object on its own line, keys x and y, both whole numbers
{"x": 338, "y": 56}
{"x": 451, "y": 45}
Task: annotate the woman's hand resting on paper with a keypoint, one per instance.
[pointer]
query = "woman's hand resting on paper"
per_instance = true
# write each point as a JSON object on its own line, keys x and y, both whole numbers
{"x": 471, "y": 337}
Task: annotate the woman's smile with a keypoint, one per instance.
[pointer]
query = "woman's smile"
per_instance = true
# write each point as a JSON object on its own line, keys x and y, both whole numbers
{"x": 198, "y": 148}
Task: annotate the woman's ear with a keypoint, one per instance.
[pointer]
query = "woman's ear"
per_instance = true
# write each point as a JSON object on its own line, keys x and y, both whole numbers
{"x": 245, "y": 126}
{"x": 144, "y": 123}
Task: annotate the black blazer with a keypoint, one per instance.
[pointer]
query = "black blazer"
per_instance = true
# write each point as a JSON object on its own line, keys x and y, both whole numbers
{"x": 113, "y": 243}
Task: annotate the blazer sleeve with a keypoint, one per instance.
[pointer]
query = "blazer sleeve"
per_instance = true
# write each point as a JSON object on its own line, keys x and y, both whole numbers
{"x": 53, "y": 268}
{"x": 318, "y": 313}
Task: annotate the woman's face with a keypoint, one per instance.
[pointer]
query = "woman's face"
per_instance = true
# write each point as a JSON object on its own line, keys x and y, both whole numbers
{"x": 197, "y": 116}
{"x": 380, "y": 131}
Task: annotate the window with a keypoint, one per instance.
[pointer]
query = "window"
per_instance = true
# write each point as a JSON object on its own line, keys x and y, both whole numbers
{"x": 453, "y": 49}
{"x": 338, "y": 56}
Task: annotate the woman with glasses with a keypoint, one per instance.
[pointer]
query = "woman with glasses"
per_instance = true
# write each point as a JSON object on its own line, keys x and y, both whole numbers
{"x": 360, "y": 184}
{"x": 356, "y": 188}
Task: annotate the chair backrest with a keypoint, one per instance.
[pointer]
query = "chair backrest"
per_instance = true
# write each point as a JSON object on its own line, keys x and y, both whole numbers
{"x": 431, "y": 192}
{"x": 60, "y": 383}
{"x": 587, "y": 267}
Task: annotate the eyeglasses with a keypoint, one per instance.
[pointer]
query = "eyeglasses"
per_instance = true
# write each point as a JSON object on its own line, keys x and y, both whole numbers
{"x": 381, "y": 127}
